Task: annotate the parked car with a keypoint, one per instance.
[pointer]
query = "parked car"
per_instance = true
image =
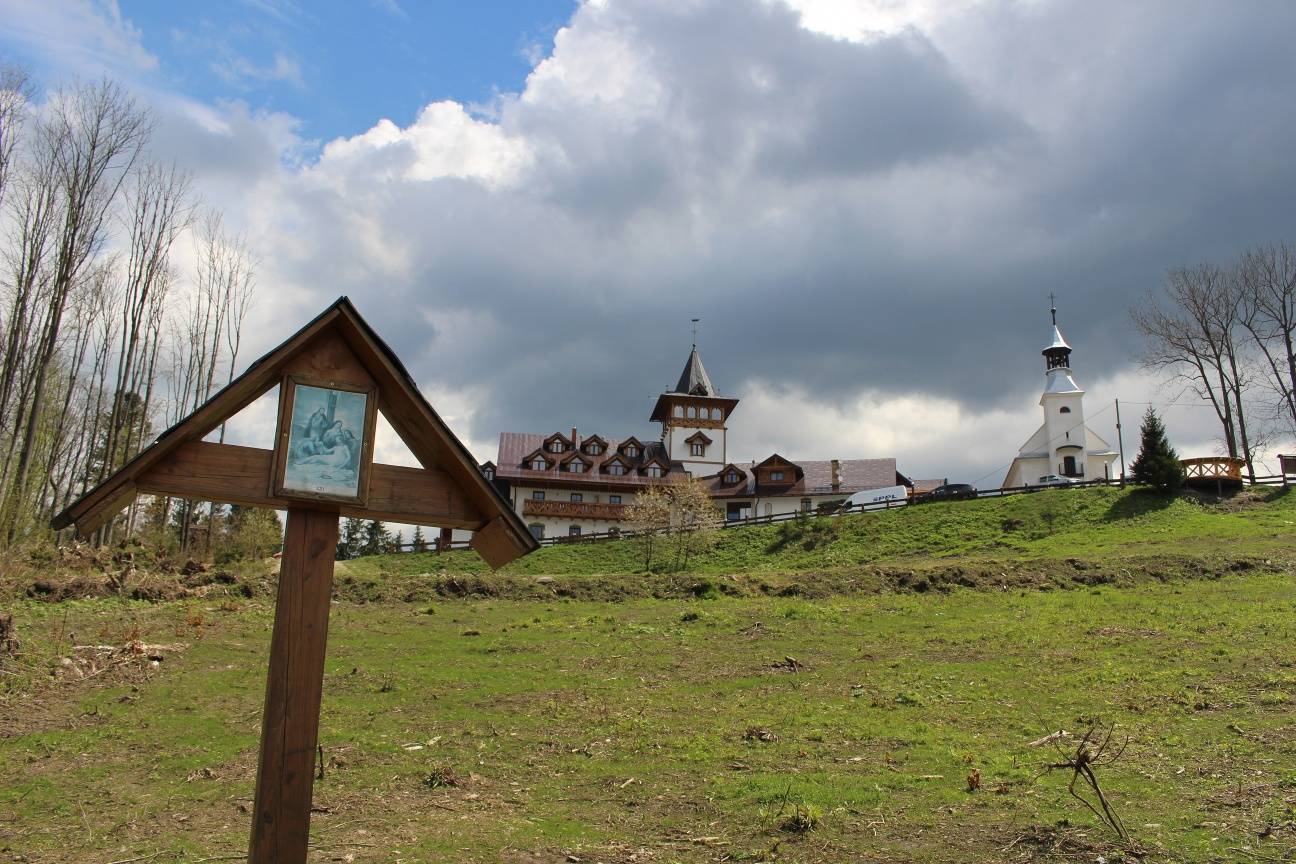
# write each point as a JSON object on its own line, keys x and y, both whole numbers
{"x": 890, "y": 496}
{"x": 951, "y": 492}
{"x": 1055, "y": 480}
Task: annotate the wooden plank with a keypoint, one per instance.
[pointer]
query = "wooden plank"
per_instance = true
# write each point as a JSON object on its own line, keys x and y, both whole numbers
{"x": 237, "y": 475}
{"x": 107, "y": 509}
{"x": 294, "y": 685}
{"x": 497, "y": 544}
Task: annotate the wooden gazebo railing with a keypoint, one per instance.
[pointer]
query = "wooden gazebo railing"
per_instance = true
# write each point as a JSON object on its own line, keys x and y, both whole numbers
{"x": 1213, "y": 468}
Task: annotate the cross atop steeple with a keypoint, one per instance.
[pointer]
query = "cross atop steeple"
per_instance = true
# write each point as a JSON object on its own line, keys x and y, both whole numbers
{"x": 1053, "y": 307}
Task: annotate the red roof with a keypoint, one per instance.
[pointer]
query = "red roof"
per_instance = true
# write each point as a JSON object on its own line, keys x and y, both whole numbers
{"x": 514, "y": 447}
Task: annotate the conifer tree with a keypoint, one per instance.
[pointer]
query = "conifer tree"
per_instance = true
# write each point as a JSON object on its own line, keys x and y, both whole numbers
{"x": 352, "y": 539}
{"x": 418, "y": 540}
{"x": 376, "y": 540}
{"x": 1157, "y": 464}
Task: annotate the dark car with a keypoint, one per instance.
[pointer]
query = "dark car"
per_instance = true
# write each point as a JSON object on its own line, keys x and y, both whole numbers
{"x": 951, "y": 492}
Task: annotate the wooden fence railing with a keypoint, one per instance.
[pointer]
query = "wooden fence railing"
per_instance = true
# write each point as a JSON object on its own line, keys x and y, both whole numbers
{"x": 600, "y": 536}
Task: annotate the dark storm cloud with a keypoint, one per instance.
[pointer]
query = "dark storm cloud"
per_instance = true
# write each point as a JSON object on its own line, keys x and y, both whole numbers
{"x": 844, "y": 216}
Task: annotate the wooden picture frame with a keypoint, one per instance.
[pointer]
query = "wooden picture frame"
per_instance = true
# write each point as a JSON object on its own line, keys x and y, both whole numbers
{"x": 317, "y": 455}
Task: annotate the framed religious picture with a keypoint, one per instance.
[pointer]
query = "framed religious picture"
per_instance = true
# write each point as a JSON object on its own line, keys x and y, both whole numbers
{"x": 325, "y": 441}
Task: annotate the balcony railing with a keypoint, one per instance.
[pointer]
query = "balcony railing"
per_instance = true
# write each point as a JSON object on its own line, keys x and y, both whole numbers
{"x": 573, "y": 510}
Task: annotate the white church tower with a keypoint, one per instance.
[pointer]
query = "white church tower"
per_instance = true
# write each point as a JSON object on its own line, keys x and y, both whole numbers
{"x": 1064, "y": 445}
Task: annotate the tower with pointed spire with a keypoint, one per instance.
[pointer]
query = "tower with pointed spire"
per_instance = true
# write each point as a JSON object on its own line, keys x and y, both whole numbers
{"x": 1064, "y": 445}
{"x": 694, "y": 419}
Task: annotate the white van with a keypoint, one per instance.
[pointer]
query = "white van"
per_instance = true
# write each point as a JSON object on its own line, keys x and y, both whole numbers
{"x": 898, "y": 496}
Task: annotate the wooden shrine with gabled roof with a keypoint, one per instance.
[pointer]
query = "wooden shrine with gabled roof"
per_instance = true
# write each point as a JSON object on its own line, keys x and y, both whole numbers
{"x": 339, "y": 346}
{"x": 334, "y": 376}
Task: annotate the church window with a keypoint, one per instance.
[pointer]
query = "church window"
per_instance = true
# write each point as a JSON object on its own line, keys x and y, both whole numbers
{"x": 537, "y": 530}
{"x": 537, "y": 495}
{"x": 614, "y": 499}
{"x": 692, "y": 412}
{"x": 697, "y": 449}
{"x": 538, "y": 464}
{"x": 577, "y": 497}
{"x": 616, "y": 469}
{"x": 776, "y": 475}
{"x": 1064, "y": 410}
{"x": 679, "y": 411}
{"x": 731, "y": 477}
{"x": 654, "y": 471}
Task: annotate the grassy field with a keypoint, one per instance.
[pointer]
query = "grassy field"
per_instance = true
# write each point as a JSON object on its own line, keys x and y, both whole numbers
{"x": 1116, "y": 535}
{"x": 676, "y": 729}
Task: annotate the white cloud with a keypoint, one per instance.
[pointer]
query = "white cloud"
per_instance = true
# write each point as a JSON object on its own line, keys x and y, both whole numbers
{"x": 86, "y": 36}
{"x": 237, "y": 70}
{"x": 868, "y": 224}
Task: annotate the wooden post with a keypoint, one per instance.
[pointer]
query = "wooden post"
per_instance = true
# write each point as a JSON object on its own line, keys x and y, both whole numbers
{"x": 290, "y": 726}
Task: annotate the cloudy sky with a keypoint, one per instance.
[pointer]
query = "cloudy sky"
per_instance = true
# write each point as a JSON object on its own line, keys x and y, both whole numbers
{"x": 867, "y": 203}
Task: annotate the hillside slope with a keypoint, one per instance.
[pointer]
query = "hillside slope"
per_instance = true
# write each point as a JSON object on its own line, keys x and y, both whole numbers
{"x": 1099, "y": 530}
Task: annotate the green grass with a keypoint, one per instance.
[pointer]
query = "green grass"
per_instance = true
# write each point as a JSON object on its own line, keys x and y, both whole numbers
{"x": 620, "y": 731}
{"x": 1111, "y": 530}
{"x": 668, "y": 726}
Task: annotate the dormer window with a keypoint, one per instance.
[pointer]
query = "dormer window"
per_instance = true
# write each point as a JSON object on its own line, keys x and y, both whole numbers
{"x": 488, "y": 473}
{"x": 776, "y": 475}
{"x": 616, "y": 469}
{"x": 653, "y": 471}
{"x": 731, "y": 478}
{"x": 594, "y": 449}
{"x": 539, "y": 464}
{"x": 556, "y": 446}
{"x": 576, "y": 466}
{"x": 697, "y": 449}
{"x": 632, "y": 451}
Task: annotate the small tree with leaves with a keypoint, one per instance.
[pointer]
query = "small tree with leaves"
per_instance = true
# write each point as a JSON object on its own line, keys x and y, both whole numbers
{"x": 649, "y": 517}
{"x": 696, "y": 522}
{"x": 1157, "y": 464}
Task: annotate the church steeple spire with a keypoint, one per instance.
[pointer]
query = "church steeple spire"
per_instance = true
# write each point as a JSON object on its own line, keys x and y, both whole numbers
{"x": 1058, "y": 353}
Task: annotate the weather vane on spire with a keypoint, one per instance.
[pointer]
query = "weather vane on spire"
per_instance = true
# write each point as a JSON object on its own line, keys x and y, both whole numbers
{"x": 695, "y": 323}
{"x": 1053, "y": 307}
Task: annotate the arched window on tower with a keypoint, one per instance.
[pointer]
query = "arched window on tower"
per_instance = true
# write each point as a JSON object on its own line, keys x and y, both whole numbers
{"x": 1064, "y": 410}
{"x": 692, "y": 412}
{"x": 679, "y": 411}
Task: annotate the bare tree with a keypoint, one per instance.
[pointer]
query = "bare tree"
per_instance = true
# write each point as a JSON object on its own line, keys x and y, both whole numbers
{"x": 95, "y": 134}
{"x": 1267, "y": 285}
{"x": 1192, "y": 331}
{"x": 157, "y": 210}
{"x": 14, "y": 96}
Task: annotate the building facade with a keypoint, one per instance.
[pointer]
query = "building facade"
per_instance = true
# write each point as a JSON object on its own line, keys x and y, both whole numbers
{"x": 568, "y": 485}
{"x": 1064, "y": 445}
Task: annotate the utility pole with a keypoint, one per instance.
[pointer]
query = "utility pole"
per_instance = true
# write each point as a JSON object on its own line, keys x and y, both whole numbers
{"x": 1120, "y": 439}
